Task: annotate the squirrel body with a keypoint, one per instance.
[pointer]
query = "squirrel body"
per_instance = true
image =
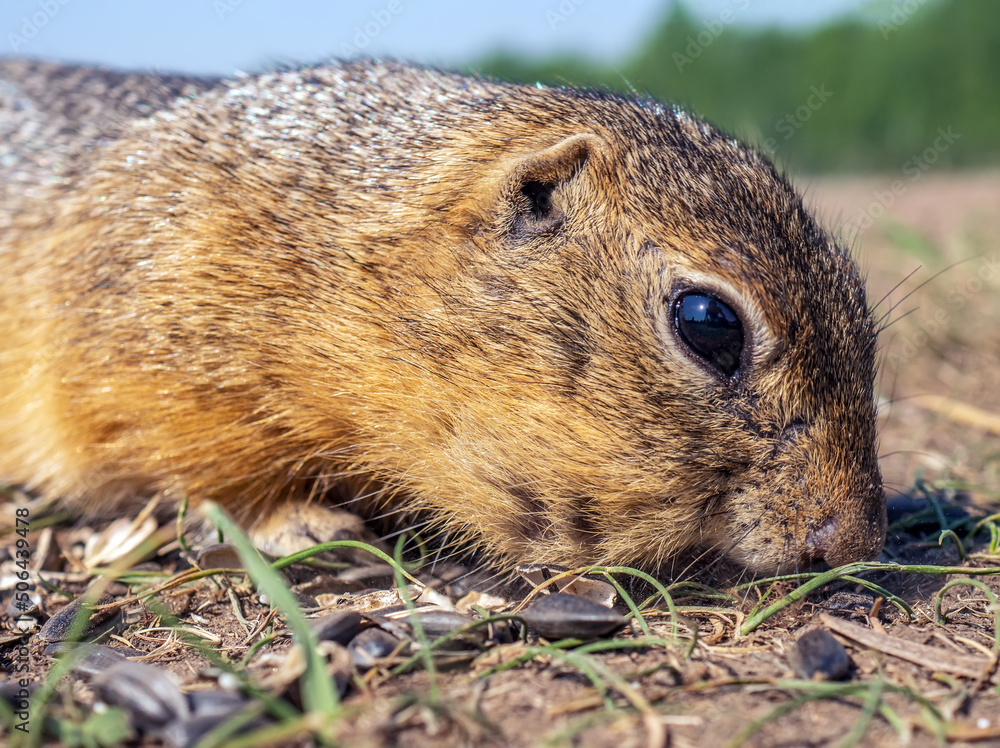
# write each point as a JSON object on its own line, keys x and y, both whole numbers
{"x": 393, "y": 288}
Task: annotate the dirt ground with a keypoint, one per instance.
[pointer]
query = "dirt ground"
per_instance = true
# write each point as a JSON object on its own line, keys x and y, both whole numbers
{"x": 904, "y": 682}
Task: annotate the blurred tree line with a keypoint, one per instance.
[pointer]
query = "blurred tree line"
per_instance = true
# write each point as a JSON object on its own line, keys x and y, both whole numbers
{"x": 875, "y": 91}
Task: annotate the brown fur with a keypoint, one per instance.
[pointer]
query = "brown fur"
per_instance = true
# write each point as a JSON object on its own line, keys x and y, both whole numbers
{"x": 332, "y": 280}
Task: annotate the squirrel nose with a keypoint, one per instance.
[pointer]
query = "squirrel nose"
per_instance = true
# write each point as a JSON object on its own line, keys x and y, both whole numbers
{"x": 822, "y": 542}
{"x": 831, "y": 543}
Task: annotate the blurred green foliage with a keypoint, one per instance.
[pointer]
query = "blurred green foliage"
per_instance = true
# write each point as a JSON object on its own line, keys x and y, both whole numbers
{"x": 873, "y": 91}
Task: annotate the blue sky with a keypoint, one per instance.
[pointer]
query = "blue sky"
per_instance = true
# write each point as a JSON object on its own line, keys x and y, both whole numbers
{"x": 222, "y": 36}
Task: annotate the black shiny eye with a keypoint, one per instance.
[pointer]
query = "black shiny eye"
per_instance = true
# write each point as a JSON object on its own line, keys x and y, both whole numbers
{"x": 711, "y": 329}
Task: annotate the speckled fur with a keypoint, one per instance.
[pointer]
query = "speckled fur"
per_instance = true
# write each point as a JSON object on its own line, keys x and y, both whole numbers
{"x": 328, "y": 282}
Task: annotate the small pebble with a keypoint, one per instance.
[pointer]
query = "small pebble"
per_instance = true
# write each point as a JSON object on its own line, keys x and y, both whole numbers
{"x": 219, "y": 556}
{"x": 208, "y": 710}
{"x": 219, "y": 704}
{"x": 340, "y": 626}
{"x": 561, "y": 615}
{"x": 93, "y": 658}
{"x": 397, "y": 624}
{"x": 146, "y": 692}
{"x": 438, "y": 623}
{"x": 56, "y": 628}
{"x": 185, "y": 733}
{"x": 12, "y": 693}
{"x": 372, "y": 645}
{"x": 817, "y": 655}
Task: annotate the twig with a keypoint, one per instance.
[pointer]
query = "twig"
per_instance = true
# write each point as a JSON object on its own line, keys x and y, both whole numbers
{"x": 932, "y": 658}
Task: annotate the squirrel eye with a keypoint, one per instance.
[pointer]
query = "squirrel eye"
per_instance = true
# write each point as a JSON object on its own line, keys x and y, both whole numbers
{"x": 711, "y": 329}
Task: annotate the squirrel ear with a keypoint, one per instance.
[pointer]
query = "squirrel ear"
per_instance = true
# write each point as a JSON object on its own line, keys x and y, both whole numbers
{"x": 529, "y": 205}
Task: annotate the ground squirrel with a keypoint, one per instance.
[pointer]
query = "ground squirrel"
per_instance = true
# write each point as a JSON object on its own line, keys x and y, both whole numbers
{"x": 566, "y": 326}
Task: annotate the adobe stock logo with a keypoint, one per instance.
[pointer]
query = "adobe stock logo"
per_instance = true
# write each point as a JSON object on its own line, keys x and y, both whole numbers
{"x": 956, "y": 299}
{"x": 712, "y": 30}
{"x": 901, "y": 13}
{"x": 914, "y": 168}
{"x": 562, "y": 13}
{"x": 789, "y": 124}
{"x": 31, "y": 25}
{"x": 364, "y": 34}
{"x": 225, "y": 7}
